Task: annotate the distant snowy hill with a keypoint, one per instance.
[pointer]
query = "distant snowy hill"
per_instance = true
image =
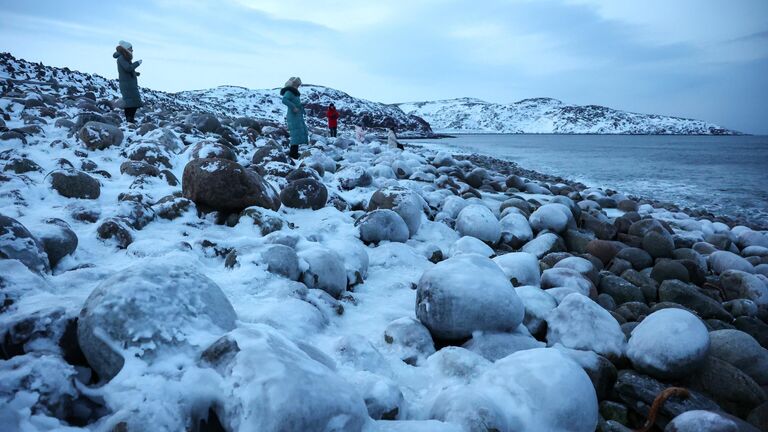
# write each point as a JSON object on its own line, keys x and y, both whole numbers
{"x": 232, "y": 101}
{"x": 546, "y": 115}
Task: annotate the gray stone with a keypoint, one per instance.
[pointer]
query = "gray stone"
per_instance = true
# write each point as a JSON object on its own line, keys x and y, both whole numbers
{"x": 382, "y": 225}
{"x": 689, "y": 296}
{"x": 220, "y": 184}
{"x": 304, "y": 194}
{"x": 666, "y": 269}
{"x": 72, "y": 183}
{"x": 282, "y": 260}
{"x": 621, "y": 290}
{"x": 98, "y": 136}
{"x": 731, "y": 388}
{"x": 742, "y": 351}
{"x": 57, "y": 239}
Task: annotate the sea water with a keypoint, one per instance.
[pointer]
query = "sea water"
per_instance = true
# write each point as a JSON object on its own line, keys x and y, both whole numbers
{"x": 726, "y": 175}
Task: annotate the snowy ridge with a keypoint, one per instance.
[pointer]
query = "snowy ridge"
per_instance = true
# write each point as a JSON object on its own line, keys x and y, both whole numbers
{"x": 234, "y": 101}
{"x": 550, "y": 116}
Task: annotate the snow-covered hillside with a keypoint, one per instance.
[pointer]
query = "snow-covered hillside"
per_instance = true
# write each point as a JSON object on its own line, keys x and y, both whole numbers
{"x": 233, "y": 101}
{"x": 266, "y": 104}
{"x": 546, "y": 115}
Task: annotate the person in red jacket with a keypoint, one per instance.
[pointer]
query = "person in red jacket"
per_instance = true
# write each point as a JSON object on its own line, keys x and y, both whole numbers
{"x": 333, "y": 119}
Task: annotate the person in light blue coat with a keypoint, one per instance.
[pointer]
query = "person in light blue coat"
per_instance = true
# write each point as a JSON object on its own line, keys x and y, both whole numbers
{"x": 297, "y": 127}
{"x": 127, "y": 76}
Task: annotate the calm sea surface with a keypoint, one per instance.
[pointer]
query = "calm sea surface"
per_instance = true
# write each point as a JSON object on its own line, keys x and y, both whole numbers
{"x": 725, "y": 175}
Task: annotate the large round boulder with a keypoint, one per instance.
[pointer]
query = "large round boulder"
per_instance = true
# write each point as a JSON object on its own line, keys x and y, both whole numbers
{"x": 147, "y": 309}
{"x": 220, "y": 184}
{"x": 304, "y": 193}
{"x": 742, "y": 351}
{"x": 57, "y": 239}
{"x": 478, "y": 221}
{"x": 98, "y": 136}
{"x": 721, "y": 261}
{"x": 579, "y": 323}
{"x": 212, "y": 150}
{"x": 272, "y": 384}
{"x": 382, "y": 225}
{"x": 204, "y": 122}
{"x": 403, "y": 201}
{"x": 552, "y": 217}
{"x": 16, "y": 242}
{"x": 668, "y": 344}
{"x": 527, "y": 382}
{"x": 467, "y": 293}
{"x": 324, "y": 270}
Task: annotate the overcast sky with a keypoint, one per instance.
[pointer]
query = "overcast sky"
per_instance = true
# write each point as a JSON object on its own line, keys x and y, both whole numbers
{"x": 705, "y": 59}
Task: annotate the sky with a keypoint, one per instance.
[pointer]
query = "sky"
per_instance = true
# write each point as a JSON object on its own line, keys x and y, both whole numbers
{"x": 703, "y": 59}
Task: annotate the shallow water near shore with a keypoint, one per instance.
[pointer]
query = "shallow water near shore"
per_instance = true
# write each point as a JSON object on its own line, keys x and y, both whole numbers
{"x": 726, "y": 175}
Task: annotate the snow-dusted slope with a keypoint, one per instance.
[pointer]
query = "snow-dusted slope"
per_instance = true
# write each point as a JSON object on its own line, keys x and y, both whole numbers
{"x": 546, "y": 115}
{"x": 266, "y": 103}
{"x": 232, "y": 101}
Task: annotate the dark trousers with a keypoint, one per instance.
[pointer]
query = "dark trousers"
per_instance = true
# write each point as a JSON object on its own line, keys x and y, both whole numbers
{"x": 130, "y": 113}
{"x": 333, "y": 131}
{"x": 294, "y": 153}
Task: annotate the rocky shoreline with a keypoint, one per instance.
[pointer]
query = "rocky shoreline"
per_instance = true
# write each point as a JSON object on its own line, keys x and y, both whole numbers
{"x": 184, "y": 274}
{"x": 508, "y": 168}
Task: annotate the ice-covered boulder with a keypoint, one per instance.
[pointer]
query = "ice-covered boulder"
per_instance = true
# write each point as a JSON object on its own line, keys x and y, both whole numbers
{"x": 223, "y": 185}
{"x": 553, "y": 217}
{"x": 353, "y": 176}
{"x": 165, "y": 138}
{"x": 471, "y": 408}
{"x": 148, "y": 308}
{"x": 478, "y": 221}
{"x": 98, "y": 136}
{"x": 580, "y": 323}
{"x": 494, "y": 346}
{"x": 530, "y": 386}
{"x": 324, "y": 270}
{"x": 721, "y": 261}
{"x": 382, "y": 225}
{"x": 403, "y": 201}
{"x": 538, "y": 304}
{"x": 711, "y": 421}
{"x": 515, "y": 230}
{"x": 270, "y": 384}
{"x": 355, "y": 258}
{"x": 409, "y": 339}
{"x": 668, "y": 344}
{"x": 16, "y": 242}
{"x": 544, "y": 244}
{"x": 464, "y": 294}
{"x": 521, "y": 268}
{"x": 469, "y": 244}
{"x": 562, "y": 277}
{"x": 304, "y": 193}
{"x": 282, "y": 260}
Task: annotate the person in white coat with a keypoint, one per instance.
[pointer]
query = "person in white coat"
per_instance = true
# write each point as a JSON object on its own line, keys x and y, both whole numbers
{"x": 392, "y": 140}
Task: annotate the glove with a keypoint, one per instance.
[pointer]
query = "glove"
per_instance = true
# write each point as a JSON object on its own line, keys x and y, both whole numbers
{"x": 139, "y": 62}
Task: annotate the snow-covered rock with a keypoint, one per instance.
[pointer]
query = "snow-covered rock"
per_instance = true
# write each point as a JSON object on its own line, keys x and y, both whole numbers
{"x": 669, "y": 343}
{"x": 146, "y": 309}
{"x": 579, "y": 323}
{"x": 464, "y": 294}
{"x": 271, "y": 384}
{"x": 478, "y": 221}
{"x": 521, "y": 268}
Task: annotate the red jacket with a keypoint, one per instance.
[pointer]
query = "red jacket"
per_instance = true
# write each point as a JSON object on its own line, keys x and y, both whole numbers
{"x": 333, "y": 117}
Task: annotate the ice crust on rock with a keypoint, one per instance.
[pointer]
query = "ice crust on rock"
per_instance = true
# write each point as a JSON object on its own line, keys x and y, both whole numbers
{"x": 146, "y": 308}
{"x": 464, "y": 294}
{"x": 668, "y": 344}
